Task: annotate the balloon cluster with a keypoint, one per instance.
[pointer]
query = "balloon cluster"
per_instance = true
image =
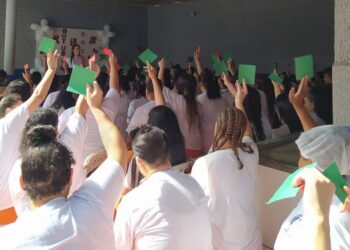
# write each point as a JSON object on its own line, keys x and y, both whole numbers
{"x": 106, "y": 34}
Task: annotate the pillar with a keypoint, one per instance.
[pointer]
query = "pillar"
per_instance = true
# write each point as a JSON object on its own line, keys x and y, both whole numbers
{"x": 341, "y": 66}
{"x": 10, "y": 36}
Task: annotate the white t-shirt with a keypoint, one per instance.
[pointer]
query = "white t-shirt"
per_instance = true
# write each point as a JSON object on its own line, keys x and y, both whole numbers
{"x": 50, "y": 99}
{"x": 73, "y": 137}
{"x": 318, "y": 121}
{"x": 232, "y": 194}
{"x": 283, "y": 130}
{"x": 122, "y": 113}
{"x": 228, "y": 97}
{"x": 84, "y": 221}
{"x": 134, "y": 104}
{"x": 294, "y": 230}
{"x": 167, "y": 211}
{"x": 11, "y": 127}
{"x": 140, "y": 116}
{"x": 178, "y": 104}
{"x": 93, "y": 142}
{"x": 210, "y": 112}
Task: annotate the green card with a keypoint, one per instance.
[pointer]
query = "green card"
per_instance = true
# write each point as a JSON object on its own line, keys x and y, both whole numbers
{"x": 227, "y": 56}
{"x": 304, "y": 66}
{"x": 126, "y": 67}
{"x": 46, "y": 44}
{"x": 286, "y": 190}
{"x": 246, "y": 72}
{"x": 275, "y": 78}
{"x": 214, "y": 58}
{"x": 147, "y": 55}
{"x": 79, "y": 78}
{"x": 220, "y": 68}
{"x": 333, "y": 174}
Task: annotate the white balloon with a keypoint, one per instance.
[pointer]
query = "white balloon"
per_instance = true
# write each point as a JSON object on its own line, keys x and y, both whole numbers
{"x": 35, "y": 26}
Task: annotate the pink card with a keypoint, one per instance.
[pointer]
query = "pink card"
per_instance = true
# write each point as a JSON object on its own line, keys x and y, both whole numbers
{"x": 107, "y": 51}
{"x": 26, "y": 67}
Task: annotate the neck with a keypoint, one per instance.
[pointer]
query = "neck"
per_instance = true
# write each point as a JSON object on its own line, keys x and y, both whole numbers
{"x": 42, "y": 201}
{"x": 161, "y": 167}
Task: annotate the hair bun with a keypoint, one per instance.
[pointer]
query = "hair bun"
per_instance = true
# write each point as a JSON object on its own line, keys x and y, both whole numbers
{"x": 41, "y": 134}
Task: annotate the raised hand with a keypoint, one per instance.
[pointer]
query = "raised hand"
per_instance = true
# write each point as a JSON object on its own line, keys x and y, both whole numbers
{"x": 242, "y": 92}
{"x": 162, "y": 63}
{"x": 52, "y": 59}
{"x": 152, "y": 72}
{"x": 197, "y": 53}
{"x": 346, "y": 205}
{"x": 113, "y": 59}
{"x": 95, "y": 67}
{"x": 296, "y": 98}
{"x": 94, "y": 95}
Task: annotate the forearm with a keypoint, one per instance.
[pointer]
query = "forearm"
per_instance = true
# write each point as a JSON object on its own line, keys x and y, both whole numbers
{"x": 305, "y": 118}
{"x": 248, "y": 130}
{"x": 199, "y": 66}
{"x": 114, "y": 78}
{"x": 161, "y": 75}
{"x": 112, "y": 139}
{"x": 158, "y": 93}
{"x": 319, "y": 233}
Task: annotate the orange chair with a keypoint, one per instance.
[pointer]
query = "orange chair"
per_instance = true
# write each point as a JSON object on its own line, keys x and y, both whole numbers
{"x": 8, "y": 216}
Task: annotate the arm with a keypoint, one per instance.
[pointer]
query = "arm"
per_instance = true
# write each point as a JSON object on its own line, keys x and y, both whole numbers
{"x": 318, "y": 193}
{"x": 113, "y": 76}
{"x": 158, "y": 93}
{"x": 297, "y": 100}
{"x": 43, "y": 87}
{"x": 112, "y": 139}
{"x": 241, "y": 93}
{"x": 161, "y": 65}
{"x": 232, "y": 67}
{"x": 81, "y": 106}
{"x": 197, "y": 60}
{"x": 230, "y": 86}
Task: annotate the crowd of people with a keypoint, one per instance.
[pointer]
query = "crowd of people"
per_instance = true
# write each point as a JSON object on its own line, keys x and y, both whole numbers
{"x": 162, "y": 158}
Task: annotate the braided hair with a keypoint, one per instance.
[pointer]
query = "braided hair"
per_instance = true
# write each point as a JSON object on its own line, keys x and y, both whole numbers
{"x": 230, "y": 127}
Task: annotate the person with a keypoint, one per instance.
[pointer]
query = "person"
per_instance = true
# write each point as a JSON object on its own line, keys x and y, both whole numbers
{"x": 140, "y": 99}
{"x": 157, "y": 214}
{"x": 73, "y": 137}
{"x": 83, "y": 221}
{"x": 324, "y": 145}
{"x": 327, "y": 75}
{"x": 76, "y": 58}
{"x": 213, "y": 102}
{"x": 19, "y": 87}
{"x": 228, "y": 176}
{"x": 11, "y": 126}
{"x": 164, "y": 118}
{"x": 184, "y": 104}
{"x": 3, "y": 82}
{"x": 122, "y": 111}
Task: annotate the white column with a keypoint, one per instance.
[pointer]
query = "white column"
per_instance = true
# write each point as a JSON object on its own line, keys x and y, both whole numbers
{"x": 341, "y": 67}
{"x": 10, "y": 36}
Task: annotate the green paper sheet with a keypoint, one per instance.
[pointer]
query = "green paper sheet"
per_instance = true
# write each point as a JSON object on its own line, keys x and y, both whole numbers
{"x": 220, "y": 68}
{"x": 275, "y": 78}
{"x": 247, "y": 72}
{"x": 148, "y": 55}
{"x": 126, "y": 67}
{"x": 286, "y": 190}
{"x": 79, "y": 78}
{"x": 304, "y": 66}
{"x": 46, "y": 44}
{"x": 227, "y": 55}
{"x": 333, "y": 174}
{"x": 214, "y": 58}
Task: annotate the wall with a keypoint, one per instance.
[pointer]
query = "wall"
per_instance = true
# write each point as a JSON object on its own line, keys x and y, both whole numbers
{"x": 129, "y": 22}
{"x": 257, "y": 32}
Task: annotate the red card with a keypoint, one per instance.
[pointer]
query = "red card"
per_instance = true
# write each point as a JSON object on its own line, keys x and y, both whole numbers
{"x": 107, "y": 51}
{"x": 217, "y": 53}
{"x": 65, "y": 59}
{"x": 26, "y": 67}
{"x": 118, "y": 67}
{"x": 92, "y": 59}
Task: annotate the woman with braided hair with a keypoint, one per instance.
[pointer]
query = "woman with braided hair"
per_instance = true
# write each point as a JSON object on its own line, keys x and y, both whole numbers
{"x": 228, "y": 177}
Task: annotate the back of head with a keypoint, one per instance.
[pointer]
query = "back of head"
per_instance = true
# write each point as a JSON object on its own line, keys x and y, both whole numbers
{"x": 152, "y": 145}
{"x": 64, "y": 99}
{"x": 186, "y": 85}
{"x": 287, "y": 113}
{"x": 164, "y": 118}
{"x": 41, "y": 116}
{"x": 230, "y": 128}
{"x": 124, "y": 83}
{"x": 139, "y": 89}
{"x": 3, "y": 76}
{"x": 19, "y": 87}
{"x": 321, "y": 96}
{"x": 252, "y": 106}
{"x": 211, "y": 85}
{"x": 8, "y": 102}
{"x": 36, "y": 78}
{"x": 325, "y": 145}
{"x": 46, "y": 164}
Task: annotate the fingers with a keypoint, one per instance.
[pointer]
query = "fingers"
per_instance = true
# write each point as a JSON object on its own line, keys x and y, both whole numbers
{"x": 346, "y": 206}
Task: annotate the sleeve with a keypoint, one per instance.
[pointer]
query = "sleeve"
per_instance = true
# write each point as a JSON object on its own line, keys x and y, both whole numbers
{"x": 102, "y": 189}
{"x": 123, "y": 232}
{"x": 74, "y": 134}
{"x": 63, "y": 119}
{"x": 200, "y": 174}
{"x": 131, "y": 111}
{"x": 137, "y": 120}
{"x": 175, "y": 100}
{"x": 16, "y": 119}
{"x": 111, "y": 103}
